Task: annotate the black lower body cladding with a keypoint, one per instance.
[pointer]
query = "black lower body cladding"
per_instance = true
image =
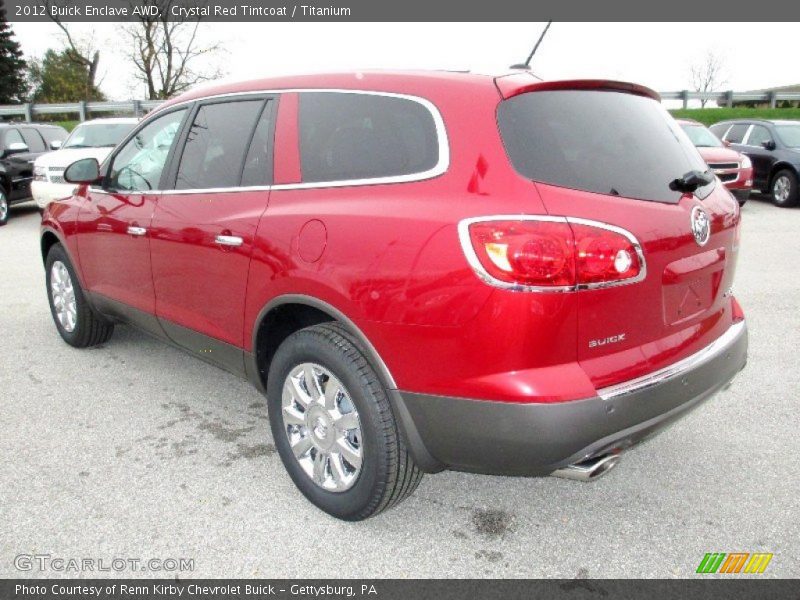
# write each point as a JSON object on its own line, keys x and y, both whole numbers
{"x": 536, "y": 439}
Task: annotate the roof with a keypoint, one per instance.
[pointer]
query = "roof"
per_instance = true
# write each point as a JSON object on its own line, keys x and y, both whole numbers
{"x": 767, "y": 121}
{"x": 507, "y": 84}
{"x": 386, "y": 81}
{"x": 27, "y": 124}
{"x": 112, "y": 120}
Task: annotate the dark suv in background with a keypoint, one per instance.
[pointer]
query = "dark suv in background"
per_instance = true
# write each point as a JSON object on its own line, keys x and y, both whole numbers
{"x": 774, "y": 149}
{"x": 20, "y": 145}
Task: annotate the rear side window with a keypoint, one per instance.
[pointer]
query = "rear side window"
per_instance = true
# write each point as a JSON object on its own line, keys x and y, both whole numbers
{"x": 598, "y": 141}
{"x": 13, "y": 137}
{"x": 347, "y": 136}
{"x": 216, "y": 145}
{"x": 33, "y": 140}
{"x": 719, "y": 129}
{"x": 736, "y": 133}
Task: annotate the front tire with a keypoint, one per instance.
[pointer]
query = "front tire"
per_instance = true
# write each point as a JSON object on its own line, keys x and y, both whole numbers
{"x": 784, "y": 189}
{"x": 334, "y": 428}
{"x": 3, "y": 208}
{"x": 77, "y": 323}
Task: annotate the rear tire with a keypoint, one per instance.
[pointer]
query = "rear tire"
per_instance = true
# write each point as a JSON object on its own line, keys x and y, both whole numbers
{"x": 364, "y": 465}
{"x": 3, "y": 208}
{"x": 77, "y": 322}
{"x": 784, "y": 189}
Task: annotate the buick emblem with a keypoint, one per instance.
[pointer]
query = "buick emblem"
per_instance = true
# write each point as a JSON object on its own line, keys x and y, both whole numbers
{"x": 701, "y": 226}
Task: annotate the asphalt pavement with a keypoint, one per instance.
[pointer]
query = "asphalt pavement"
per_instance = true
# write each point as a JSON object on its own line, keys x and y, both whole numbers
{"x": 135, "y": 450}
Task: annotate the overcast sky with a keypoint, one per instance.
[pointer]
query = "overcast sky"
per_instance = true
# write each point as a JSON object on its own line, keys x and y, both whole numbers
{"x": 660, "y": 55}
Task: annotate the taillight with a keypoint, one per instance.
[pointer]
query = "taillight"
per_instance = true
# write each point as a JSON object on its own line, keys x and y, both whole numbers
{"x": 551, "y": 253}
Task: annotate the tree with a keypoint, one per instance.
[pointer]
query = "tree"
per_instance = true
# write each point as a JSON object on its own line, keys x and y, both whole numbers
{"x": 707, "y": 75}
{"x": 13, "y": 87}
{"x": 58, "y": 78}
{"x": 81, "y": 51}
{"x": 166, "y": 53}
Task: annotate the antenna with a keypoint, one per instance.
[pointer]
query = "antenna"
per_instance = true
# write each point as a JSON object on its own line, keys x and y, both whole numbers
{"x": 527, "y": 64}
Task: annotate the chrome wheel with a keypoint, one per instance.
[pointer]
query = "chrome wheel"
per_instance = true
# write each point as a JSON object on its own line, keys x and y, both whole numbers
{"x": 781, "y": 189}
{"x": 3, "y": 207}
{"x": 323, "y": 427}
{"x": 63, "y": 295}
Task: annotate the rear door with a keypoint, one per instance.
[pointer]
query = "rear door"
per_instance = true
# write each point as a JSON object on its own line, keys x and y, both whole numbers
{"x": 610, "y": 156}
{"x": 204, "y": 227}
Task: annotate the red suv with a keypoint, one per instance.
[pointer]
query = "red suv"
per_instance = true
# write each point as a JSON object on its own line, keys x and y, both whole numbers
{"x": 422, "y": 271}
{"x": 733, "y": 169}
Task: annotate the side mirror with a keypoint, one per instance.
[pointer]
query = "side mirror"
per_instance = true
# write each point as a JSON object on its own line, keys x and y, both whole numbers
{"x": 769, "y": 145}
{"x": 85, "y": 170}
{"x": 16, "y": 148}
{"x": 726, "y": 143}
{"x": 55, "y": 144}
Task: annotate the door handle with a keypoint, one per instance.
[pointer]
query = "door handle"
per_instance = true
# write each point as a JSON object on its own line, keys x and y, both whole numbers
{"x": 137, "y": 231}
{"x": 229, "y": 240}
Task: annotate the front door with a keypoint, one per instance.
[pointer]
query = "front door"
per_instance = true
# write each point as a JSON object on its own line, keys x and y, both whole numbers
{"x": 203, "y": 229}
{"x": 113, "y": 230}
{"x": 761, "y": 157}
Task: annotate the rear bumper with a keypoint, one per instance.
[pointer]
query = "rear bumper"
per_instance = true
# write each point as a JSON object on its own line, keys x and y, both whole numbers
{"x": 538, "y": 438}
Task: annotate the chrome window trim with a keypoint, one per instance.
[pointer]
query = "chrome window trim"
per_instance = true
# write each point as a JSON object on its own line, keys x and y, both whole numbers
{"x": 714, "y": 349}
{"x": 477, "y": 267}
{"x": 441, "y": 166}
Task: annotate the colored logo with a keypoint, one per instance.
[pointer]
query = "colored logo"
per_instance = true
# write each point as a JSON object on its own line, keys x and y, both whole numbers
{"x": 735, "y": 562}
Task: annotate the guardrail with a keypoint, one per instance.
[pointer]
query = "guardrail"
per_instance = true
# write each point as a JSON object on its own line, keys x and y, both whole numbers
{"x": 728, "y": 98}
{"x": 139, "y": 107}
{"x": 29, "y": 111}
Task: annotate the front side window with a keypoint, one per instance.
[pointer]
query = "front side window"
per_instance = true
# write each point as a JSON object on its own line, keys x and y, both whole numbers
{"x": 138, "y": 165}
{"x": 216, "y": 145}
{"x": 605, "y": 142}
{"x": 736, "y": 133}
{"x": 350, "y": 136}
{"x": 758, "y": 135}
{"x": 53, "y": 134}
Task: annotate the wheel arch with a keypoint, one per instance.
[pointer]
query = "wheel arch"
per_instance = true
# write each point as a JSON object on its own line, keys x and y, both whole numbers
{"x": 780, "y": 166}
{"x": 303, "y": 311}
{"x": 319, "y": 311}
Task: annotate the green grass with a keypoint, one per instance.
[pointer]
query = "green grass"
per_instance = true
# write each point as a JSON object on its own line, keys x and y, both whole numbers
{"x": 68, "y": 125}
{"x": 709, "y": 116}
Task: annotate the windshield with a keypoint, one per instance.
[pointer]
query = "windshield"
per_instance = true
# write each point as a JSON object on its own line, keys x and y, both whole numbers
{"x": 701, "y": 137}
{"x": 789, "y": 134}
{"x": 599, "y": 141}
{"x": 96, "y": 135}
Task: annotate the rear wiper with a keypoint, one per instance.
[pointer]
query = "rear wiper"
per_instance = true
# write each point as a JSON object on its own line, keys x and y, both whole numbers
{"x": 691, "y": 181}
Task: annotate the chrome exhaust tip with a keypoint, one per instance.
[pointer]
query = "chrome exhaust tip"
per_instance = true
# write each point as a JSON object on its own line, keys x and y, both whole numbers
{"x": 589, "y": 469}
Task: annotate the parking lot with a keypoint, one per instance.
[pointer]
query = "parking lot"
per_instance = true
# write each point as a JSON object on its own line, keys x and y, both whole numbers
{"x": 134, "y": 449}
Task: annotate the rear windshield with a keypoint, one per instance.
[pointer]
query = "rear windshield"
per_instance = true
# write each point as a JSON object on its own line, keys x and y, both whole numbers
{"x": 598, "y": 141}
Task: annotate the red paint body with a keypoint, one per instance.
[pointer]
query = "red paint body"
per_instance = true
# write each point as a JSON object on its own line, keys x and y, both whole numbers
{"x": 389, "y": 258}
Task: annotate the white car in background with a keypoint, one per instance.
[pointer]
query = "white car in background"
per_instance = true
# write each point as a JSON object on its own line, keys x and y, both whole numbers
{"x": 91, "y": 139}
